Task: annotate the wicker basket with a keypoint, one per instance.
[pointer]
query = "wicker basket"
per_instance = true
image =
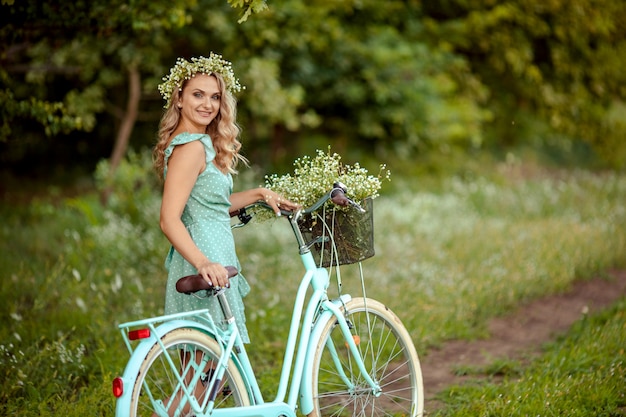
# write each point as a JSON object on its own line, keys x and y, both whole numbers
{"x": 350, "y": 232}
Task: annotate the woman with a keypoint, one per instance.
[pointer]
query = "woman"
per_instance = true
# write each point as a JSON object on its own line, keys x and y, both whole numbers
{"x": 197, "y": 153}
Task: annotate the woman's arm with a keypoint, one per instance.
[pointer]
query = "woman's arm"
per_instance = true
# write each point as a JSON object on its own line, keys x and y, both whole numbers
{"x": 185, "y": 164}
{"x": 276, "y": 201}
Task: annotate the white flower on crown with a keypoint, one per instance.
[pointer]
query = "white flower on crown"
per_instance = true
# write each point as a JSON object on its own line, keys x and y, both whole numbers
{"x": 185, "y": 70}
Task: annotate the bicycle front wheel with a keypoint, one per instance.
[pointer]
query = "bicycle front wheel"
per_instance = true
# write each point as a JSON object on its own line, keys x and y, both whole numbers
{"x": 387, "y": 350}
{"x": 190, "y": 356}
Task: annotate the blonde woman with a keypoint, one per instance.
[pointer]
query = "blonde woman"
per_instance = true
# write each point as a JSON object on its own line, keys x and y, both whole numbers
{"x": 197, "y": 153}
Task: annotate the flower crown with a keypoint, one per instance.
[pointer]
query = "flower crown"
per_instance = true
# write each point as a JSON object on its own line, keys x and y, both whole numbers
{"x": 184, "y": 70}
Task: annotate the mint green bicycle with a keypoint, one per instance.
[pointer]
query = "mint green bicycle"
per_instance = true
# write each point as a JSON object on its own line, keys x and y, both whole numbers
{"x": 343, "y": 357}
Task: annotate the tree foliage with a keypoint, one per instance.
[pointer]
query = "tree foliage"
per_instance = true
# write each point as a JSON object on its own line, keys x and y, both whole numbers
{"x": 367, "y": 73}
{"x": 408, "y": 77}
{"x": 558, "y": 60}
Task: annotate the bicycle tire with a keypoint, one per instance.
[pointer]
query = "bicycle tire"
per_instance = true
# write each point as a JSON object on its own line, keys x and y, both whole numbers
{"x": 389, "y": 356}
{"x": 157, "y": 379}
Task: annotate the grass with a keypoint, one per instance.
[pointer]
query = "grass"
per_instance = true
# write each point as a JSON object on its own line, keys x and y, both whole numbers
{"x": 581, "y": 374}
{"x": 451, "y": 254}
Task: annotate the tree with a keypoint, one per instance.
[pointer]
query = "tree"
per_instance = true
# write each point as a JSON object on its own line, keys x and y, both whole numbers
{"x": 347, "y": 70}
{"x": 354, "y": 72}
{"x": 408, "y": 77}
{"x": 66, "y": 63}
{"x": 561, "y": 61}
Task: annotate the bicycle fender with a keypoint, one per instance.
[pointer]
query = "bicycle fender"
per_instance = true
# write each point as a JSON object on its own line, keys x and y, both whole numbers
{"x": 129, "y": 376}
{"x": 306, "y": 385}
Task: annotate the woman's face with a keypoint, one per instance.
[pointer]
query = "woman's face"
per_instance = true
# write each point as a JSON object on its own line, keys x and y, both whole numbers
{"x": 199, "y": 103}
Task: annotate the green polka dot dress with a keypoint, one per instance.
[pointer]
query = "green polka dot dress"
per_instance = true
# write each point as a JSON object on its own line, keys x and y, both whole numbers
{"x": 208, "y": 222}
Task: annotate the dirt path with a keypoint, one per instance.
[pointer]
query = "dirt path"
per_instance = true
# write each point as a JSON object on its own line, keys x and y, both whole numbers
{"x": 519, "y": 334}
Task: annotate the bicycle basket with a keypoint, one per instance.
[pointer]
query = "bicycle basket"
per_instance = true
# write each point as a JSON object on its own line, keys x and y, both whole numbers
{"x": 350, "y": 232}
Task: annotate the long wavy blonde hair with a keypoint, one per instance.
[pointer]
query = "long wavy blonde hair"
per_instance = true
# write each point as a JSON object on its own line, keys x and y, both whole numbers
{"x": 223, "y": 130}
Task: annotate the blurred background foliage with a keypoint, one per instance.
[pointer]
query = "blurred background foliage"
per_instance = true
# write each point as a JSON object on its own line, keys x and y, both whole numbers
{"x": 448, "y": 86}
{"x": 409, "y": 80}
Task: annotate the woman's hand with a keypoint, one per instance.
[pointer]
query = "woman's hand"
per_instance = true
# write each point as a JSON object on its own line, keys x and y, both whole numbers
{"x": 274, "y": 200}
{"x": 213, "y": 273}
{"x": 278, "y": 202}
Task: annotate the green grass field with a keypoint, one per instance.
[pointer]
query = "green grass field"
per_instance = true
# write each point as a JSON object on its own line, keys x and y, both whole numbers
{"x": 579, "y": 375}
{"x": 451, "y": 254}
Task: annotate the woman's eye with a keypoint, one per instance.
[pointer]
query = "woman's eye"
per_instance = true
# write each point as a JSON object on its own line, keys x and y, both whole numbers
{"x": 197, "y": 95}
{"x": 216, "y": 97}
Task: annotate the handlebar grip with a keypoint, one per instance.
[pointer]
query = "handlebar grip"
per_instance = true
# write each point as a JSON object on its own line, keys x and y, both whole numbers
{"x": 337, "y": 196}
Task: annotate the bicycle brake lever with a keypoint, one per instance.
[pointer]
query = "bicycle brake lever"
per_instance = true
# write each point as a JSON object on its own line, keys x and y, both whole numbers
{"x": 357, "y": 206}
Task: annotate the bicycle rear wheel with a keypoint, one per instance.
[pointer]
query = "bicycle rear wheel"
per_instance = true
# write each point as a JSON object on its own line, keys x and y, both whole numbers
{"x": 192, "y": 355}
{"x": 389, "y": 356}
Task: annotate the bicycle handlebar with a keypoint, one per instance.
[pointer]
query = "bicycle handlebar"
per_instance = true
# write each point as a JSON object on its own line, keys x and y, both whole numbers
{"x": 337, "y": 195}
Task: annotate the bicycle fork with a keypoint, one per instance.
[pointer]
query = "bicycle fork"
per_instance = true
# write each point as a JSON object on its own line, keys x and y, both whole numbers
{"x": 332, "y": 312}
{"x": 347, "y": 334}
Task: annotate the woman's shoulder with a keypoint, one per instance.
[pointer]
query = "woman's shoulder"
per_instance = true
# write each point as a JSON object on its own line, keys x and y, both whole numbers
{"x": 183, "y": 138}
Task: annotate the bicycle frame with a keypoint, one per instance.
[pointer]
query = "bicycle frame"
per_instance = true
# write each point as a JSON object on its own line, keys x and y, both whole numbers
{"x": 308, "y": 320}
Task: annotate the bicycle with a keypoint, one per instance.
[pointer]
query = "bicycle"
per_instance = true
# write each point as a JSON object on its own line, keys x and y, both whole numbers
{"x": 353, "y": 357}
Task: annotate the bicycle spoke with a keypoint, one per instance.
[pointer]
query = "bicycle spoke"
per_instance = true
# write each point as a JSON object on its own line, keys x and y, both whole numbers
{"x": 189, "y": 356}
{"x": 389, "y": 358}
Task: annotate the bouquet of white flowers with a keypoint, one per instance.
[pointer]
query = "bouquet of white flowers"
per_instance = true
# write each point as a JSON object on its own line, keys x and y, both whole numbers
{"x": 313, "y": 177}
{"x": 343, "y": 234}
